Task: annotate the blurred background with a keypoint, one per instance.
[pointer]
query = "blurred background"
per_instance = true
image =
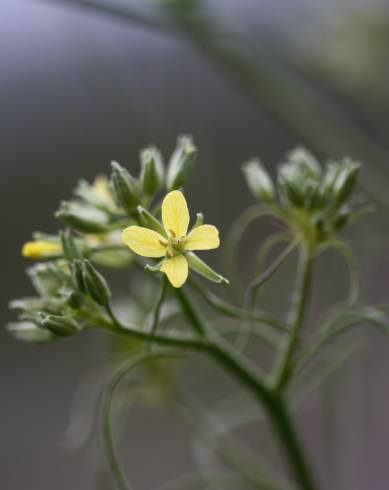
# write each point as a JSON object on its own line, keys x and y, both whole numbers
{"x": 86, "y": 82}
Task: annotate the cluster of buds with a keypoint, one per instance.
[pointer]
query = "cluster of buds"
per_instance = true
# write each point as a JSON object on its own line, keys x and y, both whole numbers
{"x": 314, "y": 202}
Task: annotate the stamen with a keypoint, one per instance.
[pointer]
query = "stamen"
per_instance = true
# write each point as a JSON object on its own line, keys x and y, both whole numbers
{"x": 172, "y": 233}
{"x": 163, "y": 243}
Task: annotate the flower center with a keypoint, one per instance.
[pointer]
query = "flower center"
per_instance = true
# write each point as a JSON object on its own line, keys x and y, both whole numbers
{"x": 176, "y": 245}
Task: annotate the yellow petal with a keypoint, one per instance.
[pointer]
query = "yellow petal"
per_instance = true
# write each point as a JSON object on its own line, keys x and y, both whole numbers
{"x": 175, "y": 214}
{"x": 143, "y": 241}
{"x": 203, "y": 237}
{"x": 176, "y": 269}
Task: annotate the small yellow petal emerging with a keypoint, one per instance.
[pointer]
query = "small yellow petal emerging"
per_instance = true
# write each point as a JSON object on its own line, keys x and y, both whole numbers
{"x": 40, "y": 249}
{"x": 145, "y": 242}
{"x": 175, "y": 214}
{"x": 204, "y": 237}
{"x": 176, "y": 269}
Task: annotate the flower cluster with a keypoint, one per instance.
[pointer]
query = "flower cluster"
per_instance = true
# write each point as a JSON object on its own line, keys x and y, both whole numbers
{"x": 315, "y": 203}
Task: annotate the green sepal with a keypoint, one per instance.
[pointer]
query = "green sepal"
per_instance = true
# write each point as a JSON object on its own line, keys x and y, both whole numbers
{"x": 150, "y": 221}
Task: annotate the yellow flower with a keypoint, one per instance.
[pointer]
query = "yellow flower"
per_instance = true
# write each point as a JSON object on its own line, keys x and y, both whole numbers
{"x": 173, "y": 246}
{"x": 41, "y": 249}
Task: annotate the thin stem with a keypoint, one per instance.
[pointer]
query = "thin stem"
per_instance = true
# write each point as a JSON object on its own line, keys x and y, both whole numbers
{"x": 252, "y": 291}
{"x": 297, "y": 316}
{"x": 157, "y": 309}
{"x": 227, "y": 309}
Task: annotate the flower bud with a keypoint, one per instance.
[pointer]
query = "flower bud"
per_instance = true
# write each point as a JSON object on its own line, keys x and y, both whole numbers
{"x": 95, "y": 284}
{"x": 346, "y": 180}
{"x": 202, "y": 268}
{"x": 259, "y": 181}
{"x": 150, "y": 221}
{"x": 125, "y": 188}
{"x": 305, "y": 160}
{"x": 29, "y": 332}
{"x": 291, "y": 185}
{"x": 181, "y": 163}
{"x": 46, "y": 278}
{"x": 41, "y": 249}
{"x": 60, "y": 325}
{"x": 85, "y": 219}
{"x": 69, "y": 247}
{"x": 77, "y": 276}
{"x": 152, "y": 171}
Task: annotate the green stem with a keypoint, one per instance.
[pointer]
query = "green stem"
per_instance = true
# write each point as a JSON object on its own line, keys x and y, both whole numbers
{"x": 157, "y": 309}
{"x": 284, "y": 364}
{"x": 243, "y": 369}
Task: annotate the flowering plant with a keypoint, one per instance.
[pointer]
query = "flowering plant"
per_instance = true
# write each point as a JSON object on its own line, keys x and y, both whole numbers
{"x": 114, "y": 224}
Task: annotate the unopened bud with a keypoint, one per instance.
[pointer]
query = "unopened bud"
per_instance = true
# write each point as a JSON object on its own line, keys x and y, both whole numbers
{"x": 60, "y": 325}
{"x": 152, "y": 171}
{"x": 95, "y": 284}
{"x": 125, "y": 188}
{"x": 85, "y": 219}
{"x": 181, "y": 163}
{"x": 259, "y": 181}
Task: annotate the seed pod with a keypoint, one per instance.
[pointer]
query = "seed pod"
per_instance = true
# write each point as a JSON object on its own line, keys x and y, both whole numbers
{"x": 125, "y": 188}
{"x": 202, "y": 268}
{"x": 95, "y": 284}
{"x": 181, "y": 163}
{"x": 152, "y": 171}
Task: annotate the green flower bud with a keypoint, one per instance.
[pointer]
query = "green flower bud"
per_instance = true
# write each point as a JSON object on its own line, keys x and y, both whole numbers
{"x": 125, "y": 188}
{"x": 46, "y": 278}
{"x": 152, "y": 171}
{"x": 291, "y": 185}
{"x": 346, "y": 180}
{"x": 95, "y": 284}
{"x": 85, "y": 219}
{"x": 69, "y": 247}
{"x": 60, "y": 325}
{"x": 150, "y": 221}
{"x": 305, "y": 160}
{"x": 181, "y": 163}
{"x": 77, "y": 276}
{"x": 29, "y": 332}
{"x": 259, "y": 181}
{"x": 329, "y": 179}
{"x": 202, "y": 268}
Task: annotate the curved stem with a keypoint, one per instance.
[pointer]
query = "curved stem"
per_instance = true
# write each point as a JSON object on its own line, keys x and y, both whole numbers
{"x": 109, "y": 446}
